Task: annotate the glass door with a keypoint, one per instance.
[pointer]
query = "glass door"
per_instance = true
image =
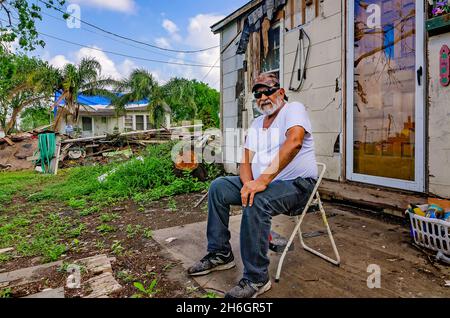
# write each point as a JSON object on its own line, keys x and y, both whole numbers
{"x": 385, "y": 78}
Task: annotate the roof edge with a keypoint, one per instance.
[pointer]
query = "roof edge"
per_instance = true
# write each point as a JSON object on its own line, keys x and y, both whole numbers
{"x": 215, "y": 28}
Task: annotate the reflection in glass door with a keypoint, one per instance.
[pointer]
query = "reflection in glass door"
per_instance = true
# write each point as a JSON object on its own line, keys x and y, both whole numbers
{"x": 385, "y": 58}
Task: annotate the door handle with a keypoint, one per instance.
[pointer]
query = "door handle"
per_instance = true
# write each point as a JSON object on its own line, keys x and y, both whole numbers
{"x": 419, "y": 75}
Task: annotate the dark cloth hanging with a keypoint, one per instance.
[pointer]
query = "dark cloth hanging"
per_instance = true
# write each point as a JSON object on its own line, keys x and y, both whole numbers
{"x": 254, "y": 21}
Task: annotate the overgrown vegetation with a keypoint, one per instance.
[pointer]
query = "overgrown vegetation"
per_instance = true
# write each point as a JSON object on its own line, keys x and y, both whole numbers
{"x": 42, "y": 229}
{"x": 143, "y": 180}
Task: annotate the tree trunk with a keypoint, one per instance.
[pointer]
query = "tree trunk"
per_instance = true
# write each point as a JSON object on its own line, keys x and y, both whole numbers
{"x": 17, "y": 111}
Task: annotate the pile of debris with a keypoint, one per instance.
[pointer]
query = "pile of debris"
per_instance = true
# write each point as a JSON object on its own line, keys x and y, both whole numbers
{"x": 101, "y": 149}
{"x": 16, "y": 151}
{"x": 21, "y": 151}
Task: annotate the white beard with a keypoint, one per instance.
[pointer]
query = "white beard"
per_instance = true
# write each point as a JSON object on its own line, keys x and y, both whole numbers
{"x": 275, "y": 106}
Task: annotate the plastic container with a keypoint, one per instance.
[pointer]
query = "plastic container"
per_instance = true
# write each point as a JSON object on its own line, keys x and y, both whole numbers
{"x": 430, "y": 233}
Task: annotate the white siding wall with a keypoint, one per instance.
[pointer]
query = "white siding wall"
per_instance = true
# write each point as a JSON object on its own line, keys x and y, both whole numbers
{"x": 439, "y": 122}
{"x": 318, "y": 93}
{"x": 324, "y": 70}
{"x": 230, "y": 64}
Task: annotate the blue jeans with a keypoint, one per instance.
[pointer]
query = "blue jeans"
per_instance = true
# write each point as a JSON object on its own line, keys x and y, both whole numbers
{"x": 281, "y": 197}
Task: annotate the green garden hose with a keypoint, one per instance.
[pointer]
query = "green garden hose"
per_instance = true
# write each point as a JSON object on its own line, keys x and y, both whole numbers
{"x": 47, "y": 146}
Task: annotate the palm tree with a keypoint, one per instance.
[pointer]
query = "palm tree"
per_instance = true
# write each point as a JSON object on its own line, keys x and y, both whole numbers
{"x": 84, "y": 78}
{"x": 138, "y": 86}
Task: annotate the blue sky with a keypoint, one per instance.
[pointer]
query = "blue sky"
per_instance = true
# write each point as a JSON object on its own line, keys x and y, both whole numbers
{"x": 176, "y": 24}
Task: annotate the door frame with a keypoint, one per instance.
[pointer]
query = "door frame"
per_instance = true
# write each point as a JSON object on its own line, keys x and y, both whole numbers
{"x": 418, "y": 184}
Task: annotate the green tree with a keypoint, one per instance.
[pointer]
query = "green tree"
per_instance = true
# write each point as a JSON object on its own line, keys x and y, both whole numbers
{"x": 34, "y": 117}
{"x": 190, "y": 99}
{"x": 84, "y": 78}
{"x": 138, "y": 86}
{"x": 25, "y": 82}
{"x": 208, "y": 104}
{"x": 18, "y": 21}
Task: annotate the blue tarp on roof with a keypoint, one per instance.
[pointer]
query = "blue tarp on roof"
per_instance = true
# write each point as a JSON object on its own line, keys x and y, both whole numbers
{"x": 96, "y": 100}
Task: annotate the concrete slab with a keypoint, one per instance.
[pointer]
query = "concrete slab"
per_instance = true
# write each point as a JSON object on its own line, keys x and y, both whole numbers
{"x": 51, "y": 293}
{"x": 26, "y": 275}
{"x": 361, "y": 241}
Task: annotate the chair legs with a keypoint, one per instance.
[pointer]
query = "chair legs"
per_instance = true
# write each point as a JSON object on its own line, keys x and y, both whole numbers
{"x": 297, "y": 229}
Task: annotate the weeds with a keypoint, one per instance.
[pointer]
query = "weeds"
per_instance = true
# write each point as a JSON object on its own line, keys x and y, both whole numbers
{"x": 117, "y": 248}
{"x": 210, "y": 294}
{"x": 132, "y": 230}
{"x": 148, "y": 233}
{"x": 76, "y": 204}
{"x": 89, "y": 211}
{"x": 108, "y": 217}
{"x": 76, "y": 232}
{"x": 105, "y": 228}
{"x": 5, "y": 293}
{"x": 125, "y": 276}
{"x": 148, "y": 292}
{"x": 172, "y": 204}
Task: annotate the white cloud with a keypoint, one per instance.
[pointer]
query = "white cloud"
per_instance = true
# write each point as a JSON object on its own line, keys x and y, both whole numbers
{"x": 59, "y": 61}
{"x": 108, "y": 66}
{"x": 170, "y": 26}
{"x": 163, "y": 42}
{"x": 127, "y": 6}
{"x": 199, "y": 32}
{"x": 200, "y": 37}
{"x": 126, "y": 67}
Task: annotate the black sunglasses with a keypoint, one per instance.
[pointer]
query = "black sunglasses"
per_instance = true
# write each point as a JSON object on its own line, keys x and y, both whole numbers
{"x": 268, "y": 92}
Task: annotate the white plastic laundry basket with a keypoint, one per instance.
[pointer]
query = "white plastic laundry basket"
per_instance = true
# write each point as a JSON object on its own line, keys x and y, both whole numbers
{"x": 431, "y": 233}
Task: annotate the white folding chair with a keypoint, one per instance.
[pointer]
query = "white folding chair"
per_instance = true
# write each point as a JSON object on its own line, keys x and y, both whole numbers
{"x": 314, "y": 200}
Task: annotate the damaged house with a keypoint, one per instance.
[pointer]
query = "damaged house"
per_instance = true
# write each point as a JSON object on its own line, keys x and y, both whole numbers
{"x": 369, "y": 73}
{"x": 97, "y": 116}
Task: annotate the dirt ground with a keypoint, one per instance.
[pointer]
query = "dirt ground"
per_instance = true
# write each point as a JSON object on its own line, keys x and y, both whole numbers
{"x": 16, "y": 155}
{"x": 138, "y": 257}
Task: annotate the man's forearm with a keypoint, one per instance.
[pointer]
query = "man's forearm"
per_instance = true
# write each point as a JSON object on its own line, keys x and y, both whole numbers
{"x": 287, "y": 152}
{"x": 245, "y": 172}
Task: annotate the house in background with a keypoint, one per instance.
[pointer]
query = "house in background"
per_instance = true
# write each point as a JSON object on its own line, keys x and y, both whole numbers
{"x": 98, "y": 117}
{"x": 369, "y": 75}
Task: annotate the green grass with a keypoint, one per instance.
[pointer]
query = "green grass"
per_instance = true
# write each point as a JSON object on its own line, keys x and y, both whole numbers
{"x": 105, "y": 228}
{"x": 43, "y": 237}
{"x": 14, "y": 182}
{"x": 145, "y": 181}
{"x": 34, "y": 226}
{"x": 108, "y": 217}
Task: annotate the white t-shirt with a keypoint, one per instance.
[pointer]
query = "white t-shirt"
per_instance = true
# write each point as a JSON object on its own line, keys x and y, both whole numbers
{"x": 266, "y": 143}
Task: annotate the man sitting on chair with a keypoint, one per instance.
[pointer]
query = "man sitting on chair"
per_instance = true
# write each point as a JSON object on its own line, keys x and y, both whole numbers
{"x": 278, "y": 172}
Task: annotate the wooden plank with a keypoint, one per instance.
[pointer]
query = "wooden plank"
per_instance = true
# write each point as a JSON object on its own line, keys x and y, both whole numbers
{"x": 8, "y": 141}
{"x": 316, "y": 7}
{"x": 292, "y": 13}
{"x": 303, "y": 11}
{"x": 378, "y": 198}
{"x": 6, "y": 250}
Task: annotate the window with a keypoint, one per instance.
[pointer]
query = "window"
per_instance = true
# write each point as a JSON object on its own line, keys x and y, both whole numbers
{"x": 271, "y": 63}
{"x": 104, "y": 120}
{"x": 140, "y": 122}
{"x": 128, "y": 123}
{"x": 148, "y": 122}
{"x": 86, "y": 123}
